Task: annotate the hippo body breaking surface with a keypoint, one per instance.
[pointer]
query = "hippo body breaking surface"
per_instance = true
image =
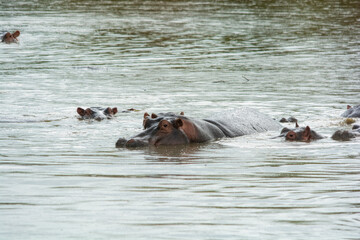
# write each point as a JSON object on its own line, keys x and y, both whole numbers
{"x": 172, "y": 129}
{"x": 352, "y": 112}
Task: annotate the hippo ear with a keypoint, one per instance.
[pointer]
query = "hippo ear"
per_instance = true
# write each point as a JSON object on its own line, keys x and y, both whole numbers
{"x": 89, "y": 112}
{"x": 107, "y": 111}
{"x": 16, "y": 34}
{"x": 114, "y": 110}
{"x": 348, "y": 107}
{"x": 80, "y": 111}
{"x": 153, "y": 115}
{"x": 306, "y": 134}
{"x": 178, "y": 123}
{"x": 182, "y": 113}
{"x": 7, "y": 35}
{"x": 146, "y": 115}
{"x": 296, "y": 125}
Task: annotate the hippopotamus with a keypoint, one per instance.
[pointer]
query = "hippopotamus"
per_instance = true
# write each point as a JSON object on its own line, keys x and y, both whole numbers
{"x": 7, "y": 37}
{"x": 303, "y": 134}
{"x": 173, "y": 129}
{"x": 352, "y": 112}
{"x": 97, "y": 113}
{"x": 345, "y": 135}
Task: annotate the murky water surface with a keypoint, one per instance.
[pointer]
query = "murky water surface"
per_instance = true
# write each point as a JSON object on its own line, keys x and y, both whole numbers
{"x": 61, "y": 178}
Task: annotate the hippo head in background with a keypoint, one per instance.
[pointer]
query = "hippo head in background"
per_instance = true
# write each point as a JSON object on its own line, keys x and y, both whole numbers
{"x": 150, "y": 120}
{"x": 97, "y": 113}
{"x": 303, "y": 134}
{"x": 10, "y": 38}
{"x": 168, "y": 131}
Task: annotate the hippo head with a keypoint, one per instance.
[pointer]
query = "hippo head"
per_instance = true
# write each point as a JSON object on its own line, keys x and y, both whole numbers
{"x": 96, "y": 113}
{"x": 304, "y": 134}
{"x": 10, "y": 38}
{"x": 153, "y": 119}
{"x": 167, "y": 132}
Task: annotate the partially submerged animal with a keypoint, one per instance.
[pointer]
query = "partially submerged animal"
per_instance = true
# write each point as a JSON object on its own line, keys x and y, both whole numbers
{"x": 345, "y": 135}
{"x": 7, "y": 37}
{"x": 303, "y": 134}
{"x": 97, "y": 113}
{"x": 173, "y": 129}
{"x": 352, "y": 112}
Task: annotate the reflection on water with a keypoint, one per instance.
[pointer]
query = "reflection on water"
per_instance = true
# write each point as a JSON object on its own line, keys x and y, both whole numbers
{"x": 64, "y": 177}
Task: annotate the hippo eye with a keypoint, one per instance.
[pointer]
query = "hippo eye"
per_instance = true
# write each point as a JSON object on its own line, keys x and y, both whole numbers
{"x": 291, "y": 135}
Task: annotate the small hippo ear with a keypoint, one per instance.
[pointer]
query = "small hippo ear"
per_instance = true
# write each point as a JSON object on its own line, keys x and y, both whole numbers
{"x": 178, "y": 123}
{"x": 80, "y": 111}
{"x": 146, "y": 115}
{"x": 114, "y": 110}
{"x": 348, "y": 107}
{"x": 153, "y": 115}
{"x": 182, "y": 113}
{"x": 16, "y": 34}
{"x": 306, "y": 134}
{"x": 296, "y": 125}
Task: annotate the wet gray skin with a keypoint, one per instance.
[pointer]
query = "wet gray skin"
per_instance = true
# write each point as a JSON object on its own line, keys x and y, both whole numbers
{"x": 352, "y": 112}
{"x": 345, "y": 135}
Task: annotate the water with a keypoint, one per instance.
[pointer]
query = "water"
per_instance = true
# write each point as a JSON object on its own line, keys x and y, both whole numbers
{"x": 61, "y": 178}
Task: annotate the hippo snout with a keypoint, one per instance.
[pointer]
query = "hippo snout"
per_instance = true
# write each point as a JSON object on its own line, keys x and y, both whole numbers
{"x": 132, "y": 143}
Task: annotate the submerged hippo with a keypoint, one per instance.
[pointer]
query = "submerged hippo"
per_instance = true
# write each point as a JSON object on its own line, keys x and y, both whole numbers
{"x": 345, "y": 135}
{"x": 352, "y": 112}
{"x": 7, "y": 37}
{"x": 303, "y": 134}
{"x": 172, "y": 129}
{"x": 97, "y": 113}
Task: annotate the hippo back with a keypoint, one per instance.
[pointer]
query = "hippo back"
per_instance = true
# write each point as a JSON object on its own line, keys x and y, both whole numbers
{"x": 243, "y": 121}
